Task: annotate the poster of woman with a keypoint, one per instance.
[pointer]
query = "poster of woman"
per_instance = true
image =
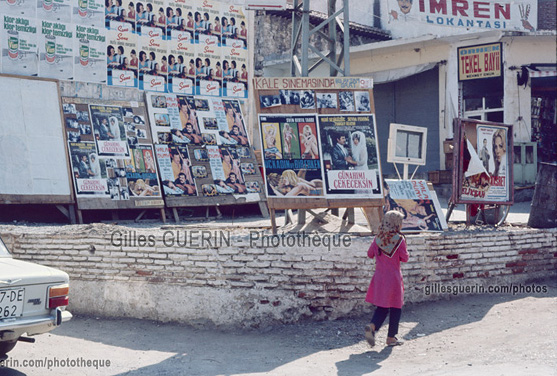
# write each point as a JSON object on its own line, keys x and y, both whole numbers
{"x": 291, "y": 159}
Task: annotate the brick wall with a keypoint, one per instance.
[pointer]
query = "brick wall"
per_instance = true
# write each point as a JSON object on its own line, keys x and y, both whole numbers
{"x": 239, "y": 284}
{"x": 547, "y": 19}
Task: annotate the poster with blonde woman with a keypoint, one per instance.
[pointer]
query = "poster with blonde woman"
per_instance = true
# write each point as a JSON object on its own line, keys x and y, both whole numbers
{"x": 291, "y": 155}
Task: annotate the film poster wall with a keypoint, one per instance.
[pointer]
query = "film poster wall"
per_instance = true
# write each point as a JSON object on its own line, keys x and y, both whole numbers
{"x": 203, "y": 150}
{"x": 484, "y": 173}
{"x": 111, "y": 154}
{"x": 319, "y": 138}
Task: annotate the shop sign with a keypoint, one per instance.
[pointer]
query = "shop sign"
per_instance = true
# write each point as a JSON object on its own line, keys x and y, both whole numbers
{"x": 481, "y": 61}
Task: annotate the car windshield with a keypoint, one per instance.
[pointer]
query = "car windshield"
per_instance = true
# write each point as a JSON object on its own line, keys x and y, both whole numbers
{"x": 3, "y": 250}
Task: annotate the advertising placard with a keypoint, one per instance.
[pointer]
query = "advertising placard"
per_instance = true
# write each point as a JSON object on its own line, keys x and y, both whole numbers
{"x": 89, "y": 63}
{"x": 234, "y": 72}
{"x": 54, "y": 10}
{"x": 207, "y": 67}
{"x": 481, "y": 61}
{"x": 20, "y": 54}
{"x": 56, "y": 50}
{"x": 153, "y": 60}
{"x": 88, "y": 13}
{"x": 19, "y": 8}
{"x": 407, "y": 18}
{"x": 181, "y": 65}
{"x": 122, "y": 59}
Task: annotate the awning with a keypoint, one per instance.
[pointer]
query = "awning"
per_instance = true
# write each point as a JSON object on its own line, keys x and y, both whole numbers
{"x": 538, "y": 72}
{"x": 391, "y": 75}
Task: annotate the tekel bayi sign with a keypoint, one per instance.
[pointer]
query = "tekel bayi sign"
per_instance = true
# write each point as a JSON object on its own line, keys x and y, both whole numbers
{"x": 481, "y": 61}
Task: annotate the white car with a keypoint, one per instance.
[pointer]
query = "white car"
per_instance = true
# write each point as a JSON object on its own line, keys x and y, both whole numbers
{"x": 33, "y": 300}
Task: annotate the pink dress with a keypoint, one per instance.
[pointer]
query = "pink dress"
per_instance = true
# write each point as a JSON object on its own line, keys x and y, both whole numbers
{"x": 387, "y": 288}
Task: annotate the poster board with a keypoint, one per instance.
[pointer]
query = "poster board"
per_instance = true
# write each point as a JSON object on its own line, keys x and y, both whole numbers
{"x": 483, "y": 160}
{"x": 111, "y": 154}
{"x": 32, "y": 148}
{"x": 203, "y": 151}
{"x": 319, "y": 143}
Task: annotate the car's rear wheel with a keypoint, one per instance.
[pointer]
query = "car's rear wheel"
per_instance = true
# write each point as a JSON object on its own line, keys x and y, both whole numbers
{"x": 6, "y": 347}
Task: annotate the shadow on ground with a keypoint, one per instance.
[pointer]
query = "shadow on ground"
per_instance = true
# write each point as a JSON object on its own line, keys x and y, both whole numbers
{"x": 213, "y": 352}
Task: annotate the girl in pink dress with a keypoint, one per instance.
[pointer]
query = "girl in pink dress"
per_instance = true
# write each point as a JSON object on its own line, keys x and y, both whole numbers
{"x": 386, "y": 290}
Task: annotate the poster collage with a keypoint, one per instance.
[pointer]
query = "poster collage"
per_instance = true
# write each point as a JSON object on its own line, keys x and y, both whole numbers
{"x": 330, "y": 155}
{"x": 486, "y": 166}
{"x": 111, "y": 151}
{"x": 202, "y": 146}
{"x": 155, "y": 45}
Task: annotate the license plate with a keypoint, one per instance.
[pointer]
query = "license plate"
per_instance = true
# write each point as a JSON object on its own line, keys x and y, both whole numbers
{"x": 11, "y": 303}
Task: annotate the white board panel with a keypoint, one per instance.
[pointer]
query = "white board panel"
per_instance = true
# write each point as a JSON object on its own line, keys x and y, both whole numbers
{"x": 32, "y": 151}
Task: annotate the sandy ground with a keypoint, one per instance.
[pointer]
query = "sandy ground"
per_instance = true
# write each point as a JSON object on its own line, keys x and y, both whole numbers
{"x": 466, "y": 335}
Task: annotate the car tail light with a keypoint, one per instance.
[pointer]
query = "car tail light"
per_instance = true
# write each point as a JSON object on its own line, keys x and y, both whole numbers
{"x": 58, "y": 296}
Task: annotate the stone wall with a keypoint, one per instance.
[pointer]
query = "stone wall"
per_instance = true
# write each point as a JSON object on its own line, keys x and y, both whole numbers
{"x": 230, "y": 278}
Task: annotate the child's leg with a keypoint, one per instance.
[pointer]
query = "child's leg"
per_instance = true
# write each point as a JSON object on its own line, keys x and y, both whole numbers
{"x": 394, "y": 319}
{"x": 379, "y": 317}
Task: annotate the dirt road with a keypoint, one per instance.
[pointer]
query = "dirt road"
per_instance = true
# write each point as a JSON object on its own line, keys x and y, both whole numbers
{"x": 469, "y": 335}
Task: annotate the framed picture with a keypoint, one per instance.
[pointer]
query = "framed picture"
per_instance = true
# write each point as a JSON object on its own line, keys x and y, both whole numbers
{"x": 407, "y": 144}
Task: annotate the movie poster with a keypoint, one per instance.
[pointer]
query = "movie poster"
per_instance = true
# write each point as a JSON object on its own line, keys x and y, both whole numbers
{"x": 86, "y": 170}
{"x": 56, "y": 50}
{"x": 54, "y": 10}
{"x": 291, "y": 155}
{"x": 208, "y": 70}
{"x": 142, "y": 176}
{"x": 88, "y": 13}
{"x": 486, "y": 176}
{"x": 181, "y": 65}
{"x": 89, "y": 62}
{"x": 419, "y": 205}
{"x": 109, "y": 130}
{"x": 350, "y": 156}
{"x": 19, "y": 45}
{"x": 175, "y": 168}
{"x": 235, "y": 121}
{"x": 122, "y": 58}
{"x": 153, "y": 61}
{"x": 226, "y": 173}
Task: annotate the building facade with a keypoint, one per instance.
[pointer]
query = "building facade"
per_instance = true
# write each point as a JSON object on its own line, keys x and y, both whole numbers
{"x": 420, "y": 79}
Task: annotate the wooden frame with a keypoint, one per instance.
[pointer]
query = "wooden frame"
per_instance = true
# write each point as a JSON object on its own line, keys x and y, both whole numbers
{"x": 467, "y": 129}
{"x": 61, "y": 201}
{"x": 170, "y": 105}
{"x": 396, "y": 131}
{"x": 90, "y": 202}
{"x": 267, "y": 90}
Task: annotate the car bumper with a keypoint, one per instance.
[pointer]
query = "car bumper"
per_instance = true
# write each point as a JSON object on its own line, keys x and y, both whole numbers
{"x": 12, "y": 330}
